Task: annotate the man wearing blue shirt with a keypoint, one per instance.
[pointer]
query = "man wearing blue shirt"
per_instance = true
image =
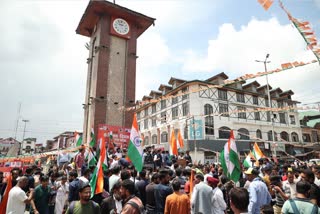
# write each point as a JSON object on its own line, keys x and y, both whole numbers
{"x": 258, "y": 191}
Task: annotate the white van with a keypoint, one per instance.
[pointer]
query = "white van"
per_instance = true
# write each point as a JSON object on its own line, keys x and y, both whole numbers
{"x": 312, "y": 161}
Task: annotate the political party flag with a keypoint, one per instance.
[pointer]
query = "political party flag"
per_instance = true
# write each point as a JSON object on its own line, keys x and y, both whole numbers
{"x": 135, "y": 148}
{"x": 96, "y": 181}
{"x": 230, "y": 160}
{"x": 173, "y": 144}
{"x": 78, "y": 139}
{"x": 247, "y": 162}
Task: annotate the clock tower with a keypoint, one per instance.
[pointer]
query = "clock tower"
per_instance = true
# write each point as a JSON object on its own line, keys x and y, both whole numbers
{"x": 113, "y": 32}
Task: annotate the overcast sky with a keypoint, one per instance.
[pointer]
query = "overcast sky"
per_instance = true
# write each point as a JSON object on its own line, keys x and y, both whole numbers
{"x": 43, "y": 61}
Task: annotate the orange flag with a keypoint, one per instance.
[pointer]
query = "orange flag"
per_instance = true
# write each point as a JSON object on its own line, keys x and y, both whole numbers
{"x": 173, "y": 144}
{"x": 191, "y": 183}
{"x": 180, "y": 139}
{"x": 266, "y": 4}
{"x": 3, "y": 205}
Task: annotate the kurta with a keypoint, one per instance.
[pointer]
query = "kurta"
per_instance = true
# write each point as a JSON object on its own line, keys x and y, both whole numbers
{"x": 177, "y": 203}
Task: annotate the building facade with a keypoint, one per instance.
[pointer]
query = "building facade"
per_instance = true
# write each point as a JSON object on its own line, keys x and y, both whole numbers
{"x": 7, "y": 144}
{"x": 28, "y": 146}
{"x": 206, "y": 111}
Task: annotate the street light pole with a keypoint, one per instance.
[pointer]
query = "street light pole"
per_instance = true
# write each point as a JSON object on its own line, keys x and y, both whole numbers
{"x": 269, "y": 101}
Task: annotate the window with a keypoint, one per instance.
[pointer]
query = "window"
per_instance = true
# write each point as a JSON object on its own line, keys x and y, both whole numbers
{"x": 242, "y": 112}
{"x": 282, "y": 118}
{"x": 258, "y": 134}
{"x": 267, "y": 102}
{"x": 268, "y": 116}
{"x": 306, "y": 137}
{"x": 255, "y": 100}
{"x": 163, "y": 104}
{"x": 224, "y": 132}
{"x": 280, "y": 104}
{"x": 185, "y": 109}
{"x": 314, "y": 136}
{"x": 222, "y": 94}
{"x": 175, "y": 112}
{"x": 146, "y": 112}
{"x": 146, "y": 124}
{"x": 146, "y": 141}
{"x": 174, "y": 99}
{"x": 164, "y": 137}
{"x": 163, "y": 117}
{"x": 294, "y": 137}
{"x": 138, "y": 116}
{"x": 243, "y": 134}
{"x": 223, "y": 109}
{"x": 209, "y": 126}
{"x": 292, "y": 120}
{"x": 270, "y": 136}
{"x": 240, "y": 98}
{"x": 185, "y": 96}
{"x": 284, "y": 136}
{"x": 154, "y": 108}
{"x": 154, "y": 139}
{"x": 256, "y": 115}
{"x": 153, "y": 122}
{"x": 208, "y": 109}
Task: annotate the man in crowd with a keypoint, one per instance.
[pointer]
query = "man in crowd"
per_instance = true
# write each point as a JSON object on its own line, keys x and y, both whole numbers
{"x": 131, "y": 203}
{"x": 218, "y": 203}
{"x": 300, "y": 204}
{"x": 84, "y": 205}
{"x": 114, "y": 178}
{"x": 161, "y": 191}
{"x": 141, "y": 186}
{"x": 177, "y": 203}
{"x": 187, "y": 157}
{"x": 201, "y": 196}
{"x": 258, "y": 191}
{"x": 281, "y": 194}
{"x": 291, "y": 184}
{"x": 239, "y": 200}
{"x": 150, "y": 199}
{"x": 113, "y": 203}
{"x": 308, "y": 176}
{"x": 79, "y": 160}
{"x": 41, "y": 196}
{"x": 18, "y": 199}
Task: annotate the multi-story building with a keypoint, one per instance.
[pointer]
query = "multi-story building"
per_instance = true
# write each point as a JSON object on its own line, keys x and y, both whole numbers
{"x": 7, "y": 144}
{"x": 62, "y": 141}
{"x": 28, "y": 146}
{"x": 206, "y": 111}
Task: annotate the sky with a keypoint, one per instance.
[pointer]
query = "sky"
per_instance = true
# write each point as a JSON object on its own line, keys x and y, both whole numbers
{"x": 43, "y": 61}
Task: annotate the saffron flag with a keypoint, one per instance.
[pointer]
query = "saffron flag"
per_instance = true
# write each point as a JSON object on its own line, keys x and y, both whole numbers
{"x": 191, "y": 183}
{"x": 4, "y": 201}
{"x": 135, "y": 147}
{"x": 247, "y": 162}
{"x": 96, "y": 181}
{"x": 266, "y": 4}
{"x": 180, "y": 139}
{"x": 173, "y": 144}
{"x": 78, "y": 139}
{"x": 230, "y": 160}
{"x": 257, "y": 152}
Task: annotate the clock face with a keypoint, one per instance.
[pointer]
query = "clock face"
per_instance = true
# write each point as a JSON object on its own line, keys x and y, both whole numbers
{"x": 121, "y": 26}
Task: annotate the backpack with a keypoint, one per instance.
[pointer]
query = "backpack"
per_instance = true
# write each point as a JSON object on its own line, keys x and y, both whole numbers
{"x": 73, "y": 204}
{"x": 137, "y": 207}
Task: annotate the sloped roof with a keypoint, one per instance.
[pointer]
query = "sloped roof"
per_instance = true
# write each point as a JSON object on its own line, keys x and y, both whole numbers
{"x": 312, "y": 122}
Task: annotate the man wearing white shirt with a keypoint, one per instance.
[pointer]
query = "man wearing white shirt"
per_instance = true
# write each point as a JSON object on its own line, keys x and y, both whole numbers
{"x": 218, "y": 203}
{"x": 114, "y": 162}
{"x": 114, "y": 178}
{"x": 18, "y": 199}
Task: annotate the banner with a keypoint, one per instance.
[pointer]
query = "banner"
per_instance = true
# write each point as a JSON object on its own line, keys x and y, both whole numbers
{"x": 117, "y": 135}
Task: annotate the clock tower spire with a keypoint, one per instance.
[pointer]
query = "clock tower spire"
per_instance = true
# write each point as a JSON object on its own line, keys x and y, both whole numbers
{"x": 111, "y": 79}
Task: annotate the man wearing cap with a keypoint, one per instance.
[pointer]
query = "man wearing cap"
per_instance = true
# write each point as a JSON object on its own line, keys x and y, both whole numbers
{"x": 258, "y": 191}
{"x": 202, "y": 196}
{"x": 218, "y": 203}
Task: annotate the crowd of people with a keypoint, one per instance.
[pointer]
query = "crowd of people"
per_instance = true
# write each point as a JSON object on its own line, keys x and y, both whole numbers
{"x": 167, "y": 184}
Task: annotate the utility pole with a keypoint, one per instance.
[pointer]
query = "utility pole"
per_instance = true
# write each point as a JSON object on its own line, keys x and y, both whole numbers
{"x": 24, "y": 130}
{"x": 270, "y": 103}
{"x": 17, "y": 122}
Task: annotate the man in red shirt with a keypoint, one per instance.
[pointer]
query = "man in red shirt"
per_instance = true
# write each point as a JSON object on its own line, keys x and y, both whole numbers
{"x": 79, "y": 160}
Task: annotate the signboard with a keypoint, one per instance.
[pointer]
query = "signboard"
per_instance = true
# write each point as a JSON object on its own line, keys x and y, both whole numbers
{"x": 196, "y": 132}
{"x": 279, "y": 147}
{"x": 115, "y": 136}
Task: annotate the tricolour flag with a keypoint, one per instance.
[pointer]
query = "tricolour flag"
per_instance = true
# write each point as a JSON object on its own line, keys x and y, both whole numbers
{"x": 78, "y": 139}
{"x": 96, "y": 181}
{"x": 257, "y": 153}
{"x": 247, "y": 162}
{"x": 91, "y": 159}
{"x": 230, "y": 160}
{"x": 92, "y": 138}
{"x": 180, "y": 139}
{"x": 173, "y": 144}
{"x": 135, "y": 147}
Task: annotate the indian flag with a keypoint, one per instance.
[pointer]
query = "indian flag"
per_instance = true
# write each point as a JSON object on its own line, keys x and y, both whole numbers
{"x": 257, "y": 153}
{"x": 96, "y": 181}
{"x": 135, "y": 147}
{"x": 93, "y": 138}
{"x": 91, "y": 159}
{"x": 78, "y": 139}
{"x": 230, "y": 160}
{"x": 247, "y": 162}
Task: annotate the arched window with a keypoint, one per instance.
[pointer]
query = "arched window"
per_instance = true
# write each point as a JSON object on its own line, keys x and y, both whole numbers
{"x": 224, "y": 132}
{"x": 270, "y": 136}
{"x": 259, "y": 134}
{"x": 164, "y": 137}
{"x": 294, "y": 137}
{"x": 244, "y": 134}
{"x": 284, "y": 135}
{"x": 154, "y": 139}
{"x": 208, "y": 109}
{"x": 209, "y": 126}
{"x": 146, "y": 140}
